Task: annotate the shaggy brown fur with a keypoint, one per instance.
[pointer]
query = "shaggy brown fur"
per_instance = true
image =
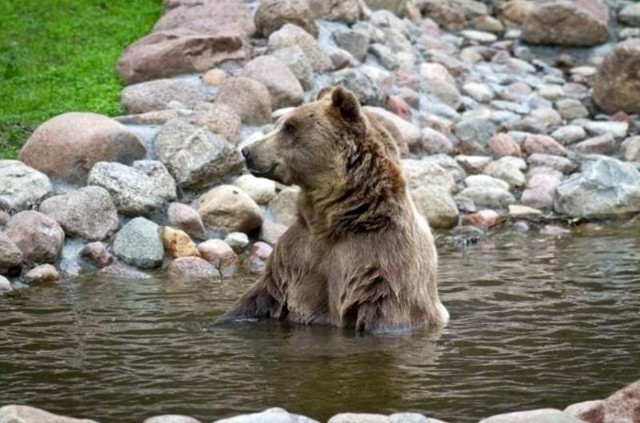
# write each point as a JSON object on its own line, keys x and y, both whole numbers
{"x": 359, "y": 255}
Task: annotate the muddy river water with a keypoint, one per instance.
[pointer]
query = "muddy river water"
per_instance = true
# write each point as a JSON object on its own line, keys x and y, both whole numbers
{"x": 536, "y": 321}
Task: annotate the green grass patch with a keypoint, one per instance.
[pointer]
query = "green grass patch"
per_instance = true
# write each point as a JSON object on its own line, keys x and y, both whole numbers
{"x": 58, "y": 56}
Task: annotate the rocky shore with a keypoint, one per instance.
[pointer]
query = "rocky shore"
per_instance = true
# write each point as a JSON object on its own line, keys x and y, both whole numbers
{"x": 621, "y": 407}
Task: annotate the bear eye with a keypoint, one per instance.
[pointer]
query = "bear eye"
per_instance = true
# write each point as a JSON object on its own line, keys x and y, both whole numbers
{"x": 288, "y": 129}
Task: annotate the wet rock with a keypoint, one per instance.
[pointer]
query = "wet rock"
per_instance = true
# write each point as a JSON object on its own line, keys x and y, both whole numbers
{"x": 217, "y": 118}
{"x": 630, "y": 14}
{"x": 509, "y": 169}
{"x": 406, "y": 134}
{"x": 271, "y": 415}
{"x": 97, "y": 254}
{"x": 270, "y": 232}
{"x": 26, "y": 414}
{"x": 543, "y": 144}
{"x": 218, "y": 253}
{"x": 196, "y": 157}
{"x": 483, "y": 219}
{"x": 541, "y": 188}
{"x": 474, "y": 135}
{"x": 561, "y": 164}
{"x": 490, "y": 197}
{"x": 524, "y": 212}
{"x": 436, "y": 205}
{"x": 283, "y": 86}
{"x": 271, "y": 15}
{"x": 603, "y": 144}
{"x": 121, "y": 271}
{"x": 39, "y": 237}
{"x": 21, "y": 187}
{"x": 139, "y": 190}
{"x": 604, "y": 186}
{"x": 156, "y": 95}
{"x": 298, "y": 63}
{"x": 485, "y": 181}
{"x": 66, "y": 146}
{"x": 583, "y": 408}
{"x": 503, "y": 145}
{"x": 569, "y": 134}
{"x": 617, "y": 84}
{"x": 284, "y": 206}
{"x": 227, "y": 208}
{"x": 248, "y": 98}
{"x": 292, "y": 35}
{"x": 566, "y": 24}
{"x": 191, "y": 269}
{"x": 87, "y": 213}
{"x": 45, "y": 273}
{"x": 139, "y": 244}
{"x": 5, "y": 285}
{"x": 617, "y": 129}
{"x": 183, "y": 217}
{"x": 261, "y": 190}
{"x": 11, "y": 257}
{"x": 238, "y": 241}
{"x": 171, "y": 418}
{"x": 543, "y": 415}
{"x": 631, "y": 149}
{"x": 422, "y": 173}
{"x": 162, "y": 54}
{"x": 208, "y": 16}
{"x": 178, "y": 244}
{"x": 365, "y": 88}
{"x": 473, "y": 164}
{"x": 556, "y": 231}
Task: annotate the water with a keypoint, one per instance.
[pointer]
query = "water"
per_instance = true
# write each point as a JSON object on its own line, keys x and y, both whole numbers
{"x": 536, "y": 322}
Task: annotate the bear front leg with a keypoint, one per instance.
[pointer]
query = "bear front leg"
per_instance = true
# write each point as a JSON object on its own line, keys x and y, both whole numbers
{"x": 262, "y": 300}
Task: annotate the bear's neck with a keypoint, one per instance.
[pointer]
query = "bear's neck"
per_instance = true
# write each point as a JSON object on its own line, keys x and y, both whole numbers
{"x": 369, "y": 196}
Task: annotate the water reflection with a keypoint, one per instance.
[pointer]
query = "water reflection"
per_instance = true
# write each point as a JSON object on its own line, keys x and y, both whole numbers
{"x": 536, "y": 321}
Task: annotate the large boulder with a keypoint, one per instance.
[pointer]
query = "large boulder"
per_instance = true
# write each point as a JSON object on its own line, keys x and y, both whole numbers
{"x": 271, "y": 15}
{"x": 217, "y": 118}
{"x": 227, "y": 208}
{"x": 543, "y": 415}
{"x": 156, "y": 95}
{"x": 167, "y": 53}
{"x": 292, "y": 35}
{"x": 26, "y": 414}
{"x": 67, "y": 146}
{"x": 623, "y": 406}
{"x": 139, "y": 190}
{"x": 139, "y": 244}
{"x": 284, "y": 88}
{"x": 39, "y": 237}
{"x": 208, "y": 16}
{"x": 603, "y": 187}
{"x": 87, "y": 213}
{"x": 269, "y": 415}
{"x": 565, "y": 23}
{"x": 21, "y": 187}
{"x": 617, "y": 83}
{"x": 194, "y": 156}
{"x": 249, "y": 98}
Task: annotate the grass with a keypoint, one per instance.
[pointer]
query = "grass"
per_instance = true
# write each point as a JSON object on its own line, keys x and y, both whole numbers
{"x": 58, "y": 56}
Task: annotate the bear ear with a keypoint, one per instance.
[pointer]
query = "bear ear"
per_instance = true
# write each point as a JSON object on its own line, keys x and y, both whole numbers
{"x": 346, "y": 102}
{"x": 323, "y": 93}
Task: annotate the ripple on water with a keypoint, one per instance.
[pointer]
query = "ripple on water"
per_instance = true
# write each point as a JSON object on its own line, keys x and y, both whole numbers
{"x": 536, "y": 322}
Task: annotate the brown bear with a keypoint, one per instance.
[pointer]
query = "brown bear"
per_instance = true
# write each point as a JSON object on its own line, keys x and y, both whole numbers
{"x": 359, "y": 255}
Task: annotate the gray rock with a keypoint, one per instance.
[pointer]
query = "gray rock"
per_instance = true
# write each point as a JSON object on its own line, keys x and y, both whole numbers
{"x": 11, "y": 257}
{"x": 473, "y": 164}
{"x": 604, "y": 144}
{"x": 420, "y": 173}
{"x": 196, "y": 157}
{"x": 21, "y": 187}
{"x": 631, "y": 149}
{"x": 185, "y": 218}
{"x": 292, "y": 35}
{"x": 385, "y": 56}
{"x": 616, "y": 86}
{"x": 44, "y": 273}
{"x": 270, "y": 232}
{"x": 249, "y": 98}
{"x": 412, "y": 418}
{"x": 227, "y": 208}
{"x": 490, "y": 197}
{"x": 217, "y": 118}
{"x": 298, "y": 63}
{"x": 617, "y": 129}
{"x": 283, "y": 86}
{"x": 139, "y": 190}
{"x": 355, "y": 42}
{"x": 544, "y": 415}
{"x": 630, "y": 14}
{"x": 238, "y": 241}
{"x": 508, "y": 170}
{"x": 87, "y": 213}
{"x": 96, "y": 253}
{"x": 604, "y": 186}
{"x": 479, "y": 92}
{"x": 541, "y": 188}
{"x": 261, "y": 190}
{"x": 449, "y": 164}
{"x": 620, "y": 407}
{"x": 365, "y": 88}
{"x": 284, "y": 206}
{"x": 39, "y": 237}
{"x": 121, "y": 271}
{"x": 406, "y": 134}
{"x": 171, "y": 418}
{"x": 139, "y": 244}
{"x": 569, "y": 134}
{"x": 336, "y": 10}
{"x": 271, "y": 415}
{"x": 561, "y": 164}
{"x": 359, "y": 418}
{"x": 485, "y": 181}
{"x": 571, "y": 109}
{"x": 577, "y": 409}
{"x": 187, "y": 269}
{"x": 156, "y": 95}
{"x": 5, "y": 285}
{"x": 474, "y": 135}
{"x": 434, "y": 142}
{"x": 271, "y": 15}
{"x": 4, "y": 218}
{"x": 436, "y": 205}
{"x": 26, "y": 414}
